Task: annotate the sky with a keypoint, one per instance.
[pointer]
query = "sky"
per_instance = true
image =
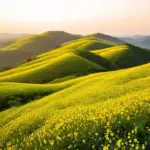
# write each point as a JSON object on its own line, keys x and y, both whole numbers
{"x": 114, "y": 17}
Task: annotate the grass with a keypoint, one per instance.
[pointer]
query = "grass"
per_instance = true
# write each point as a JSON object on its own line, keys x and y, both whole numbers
{"x": 40, "y": 42}
{"x": 28, "y": 47}
{"x": 107, "y": 38}
{"x": 61, "y": 66}
{"x": 68, "y": 60}
{"x": 99, "y": 111}
{"x": 107, "y": 108}
{"x": 125, "y": 56}
{"x": 22, "y": 93}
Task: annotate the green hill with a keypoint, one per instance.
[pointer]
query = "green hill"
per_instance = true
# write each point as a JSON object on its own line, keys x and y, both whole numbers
{"x": 107, "y": 38}
{"x": 71, "y": 60}
{"x": 49, "y": 70}
{"x": 88, "y": 43}
{"x": 125, "y": 56}
{"x": 76, "y": 96}
{"x": 99, "y": 111}
{"x": 27, "y": 47}
{"x": 41, "y": 42}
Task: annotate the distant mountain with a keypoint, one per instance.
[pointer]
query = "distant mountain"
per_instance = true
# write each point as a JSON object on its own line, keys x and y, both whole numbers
{"x": 138, "y": 40}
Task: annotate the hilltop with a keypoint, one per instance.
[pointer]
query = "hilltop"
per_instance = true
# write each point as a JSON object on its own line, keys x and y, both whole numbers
{"x": 107, "y": 38}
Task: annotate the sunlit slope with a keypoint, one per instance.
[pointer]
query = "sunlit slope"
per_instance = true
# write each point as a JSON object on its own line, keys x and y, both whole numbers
{"x": 88, "y": 43}
{"x": 103, "y": 110}
{"x": 41, "y": 42}
{"x": 47, "y": 71}
{"x": 16, "y": 94}
{"x": 28, "y": 47}
{"x": 125, "y": 56}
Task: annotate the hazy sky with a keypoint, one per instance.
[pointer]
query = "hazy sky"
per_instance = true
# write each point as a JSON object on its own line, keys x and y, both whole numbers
{"x": 115, "y": 17}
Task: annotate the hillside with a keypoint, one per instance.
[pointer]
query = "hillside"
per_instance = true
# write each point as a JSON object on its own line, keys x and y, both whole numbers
{"x": 125, "y": 56}
{"x": 28, "y": 47}
{"x": 73, "y": 59}
{"x": 41, "y": 42}
{"x": 49, "y": 70}
{"x": 81, "y": 95}
{"x": 98, "y": 111}
{"x": 107, "y": 38}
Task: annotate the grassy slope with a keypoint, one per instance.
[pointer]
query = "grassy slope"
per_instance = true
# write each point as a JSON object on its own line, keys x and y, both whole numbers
{"x": 41, "y": 42}
{"x": 125, "y": 56}
{"x": 107, "y": 38}
{"x": 28, "y": 71}
{"x": 22, "y": 93}
{"x": 27, "y": 47}
{"x": 49, "y": 70}
{"x": 103, "y": 109}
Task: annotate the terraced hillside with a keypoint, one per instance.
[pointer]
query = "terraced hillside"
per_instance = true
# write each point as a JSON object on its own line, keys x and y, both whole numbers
{"x": 98, "y": 111}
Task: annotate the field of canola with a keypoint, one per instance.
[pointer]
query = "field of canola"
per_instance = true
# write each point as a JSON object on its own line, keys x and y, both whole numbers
{"x": 109, "y": 110}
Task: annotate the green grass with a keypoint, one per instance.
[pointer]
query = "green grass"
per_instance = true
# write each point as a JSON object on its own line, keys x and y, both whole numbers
{"x": 48, "y": 63}
{"x": 107, "y": 38}
{"x": 40, "y": 42}
{"x": 49, "y": 70}
{"x": 16, "y": 94}
{"x": 107, "y": 108}
{"x": 125, "y": 56}
{"x": 99, "y": 111}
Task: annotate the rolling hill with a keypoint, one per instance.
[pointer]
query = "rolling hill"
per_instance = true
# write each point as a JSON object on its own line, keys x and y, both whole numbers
{"x": 28, "y": 47}
{"x": 88, "y": 93}
{"x": 41, "y": 42}
{"x": 98, "y": 111}
{"x": 47, "y": 71}
{"x": 125, "y": 56}
{"x": 75, "y": 59}
{"x": 107, "y": 38}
